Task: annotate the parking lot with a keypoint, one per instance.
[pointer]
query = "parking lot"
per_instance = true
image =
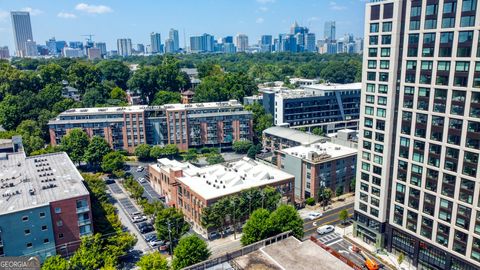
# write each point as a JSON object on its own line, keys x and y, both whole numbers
{"x": 335, "y": 241}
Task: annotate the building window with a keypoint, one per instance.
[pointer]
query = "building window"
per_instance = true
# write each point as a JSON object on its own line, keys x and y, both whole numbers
{"x": 29, "y": 245}
{"x": 27, "y": 231}
{"x": 387, "y": 27}
{"x": 58, "y": 210}
{"x": 44, "y": 227}
{"x": 60, "y": 235}
{"x": 59, "y": 223}
{"x": 374, "y": 28}
{"x": 42, "y": 214}
{"x": 46, "y": 241}
{"x": 25, "y": 218}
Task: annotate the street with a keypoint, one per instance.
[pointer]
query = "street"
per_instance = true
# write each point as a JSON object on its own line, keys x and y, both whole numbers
{"x": 330, "y": 217}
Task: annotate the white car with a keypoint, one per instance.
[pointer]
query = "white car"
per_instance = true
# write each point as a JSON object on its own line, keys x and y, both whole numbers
{"x": 142, "y": 180}
{"x": 136, "y": 219}
{"x": 155, "y": 242}
{"x": 139, "y": 169}
{"x": 314, "y": 215}
{"x": 325, "y": 229}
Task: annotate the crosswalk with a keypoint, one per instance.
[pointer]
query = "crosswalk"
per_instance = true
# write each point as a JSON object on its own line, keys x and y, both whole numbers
{"x": 330, "y": 238}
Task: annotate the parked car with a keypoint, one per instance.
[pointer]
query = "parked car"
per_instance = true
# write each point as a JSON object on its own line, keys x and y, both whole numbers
{"x": 213, "y": 235}
{"x": 164, "y": 247}
{"x": 314, "y": 215}
{"x": 136, "y": 219}
{"x": 151, "y": 237}
{"x": 109, "y": 181}
{"x": 142, "y": 180}
{"x": 325, "y": 229}
{"x": 155, "y": 242}
{"x": 135, "y": 214}
{"x": 139, "y": 169}
{"x": 145, "y": 227}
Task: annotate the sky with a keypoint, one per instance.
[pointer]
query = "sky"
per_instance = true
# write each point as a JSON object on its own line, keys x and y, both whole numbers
{"x": 108, "y": 20}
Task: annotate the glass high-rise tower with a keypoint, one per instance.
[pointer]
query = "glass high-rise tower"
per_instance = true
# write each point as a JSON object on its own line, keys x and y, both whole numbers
{"x": 22, "y": 31}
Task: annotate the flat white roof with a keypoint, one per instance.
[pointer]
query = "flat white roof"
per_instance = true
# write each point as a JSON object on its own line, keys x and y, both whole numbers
{"x": 334, "y": 86}
{"x": 141, "y": 108}
{"x": 29, "y": 182}
{"x": 320, "y": 151}
{"x": 224, "y": 179}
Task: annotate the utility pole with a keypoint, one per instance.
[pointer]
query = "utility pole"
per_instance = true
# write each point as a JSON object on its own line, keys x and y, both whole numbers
{"x": 170, "y": 236}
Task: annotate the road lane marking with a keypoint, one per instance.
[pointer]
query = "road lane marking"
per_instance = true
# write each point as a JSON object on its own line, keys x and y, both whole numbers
{"x": 324, "y": 217}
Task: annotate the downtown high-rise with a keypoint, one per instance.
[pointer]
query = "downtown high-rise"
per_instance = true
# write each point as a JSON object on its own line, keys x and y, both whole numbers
{"x": 22, "y": 33}
{"x": 418, "y": 189}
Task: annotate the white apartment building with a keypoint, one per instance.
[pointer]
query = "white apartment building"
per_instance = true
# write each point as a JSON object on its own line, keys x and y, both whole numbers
{"x": 419, "y": 140}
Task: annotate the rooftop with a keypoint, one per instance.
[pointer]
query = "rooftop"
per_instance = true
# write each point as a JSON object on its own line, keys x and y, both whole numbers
{"x": 291, "y": 254}
{"x": 141, "y": 108}
{"x": 293, "y": 134}
{"x": 334, "y": 86}
{"x": 318, "y": 152}
{"x": 29, "y": 182}
{"x": 224, "y": 179}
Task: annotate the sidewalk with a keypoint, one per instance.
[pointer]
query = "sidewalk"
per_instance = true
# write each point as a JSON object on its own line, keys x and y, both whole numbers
{"x": 223, "y": 245}
{"x": 386, "y": 258}
{"x": 336, "y": 203}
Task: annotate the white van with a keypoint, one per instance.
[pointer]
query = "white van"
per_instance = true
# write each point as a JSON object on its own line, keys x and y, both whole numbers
{"x": 325, "y": 229}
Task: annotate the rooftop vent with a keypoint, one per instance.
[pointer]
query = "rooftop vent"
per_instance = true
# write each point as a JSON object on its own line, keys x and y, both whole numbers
{"x": 31, "y": 191}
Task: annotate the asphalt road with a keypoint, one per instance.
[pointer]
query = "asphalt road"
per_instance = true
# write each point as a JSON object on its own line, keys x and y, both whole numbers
{"x": 330, "y": 217}
{"x": 148, "y": 193}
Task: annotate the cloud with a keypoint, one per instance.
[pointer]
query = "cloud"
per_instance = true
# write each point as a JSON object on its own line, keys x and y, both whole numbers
{"x": 32, "y": 11}
{"x": 335, "y": 6}
{"x": 263, "y": 9}
{"x": 93, "y": 9}
{"x": 259, "y": 20}
{"x": 66, "y": 15}
{"x": 3, "y": 15}
{"x": 266, "y": 1}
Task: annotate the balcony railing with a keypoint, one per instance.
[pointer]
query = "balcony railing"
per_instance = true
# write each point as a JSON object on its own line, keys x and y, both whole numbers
{"x": 84, "y": 222}
{"x": 83, "y": 209}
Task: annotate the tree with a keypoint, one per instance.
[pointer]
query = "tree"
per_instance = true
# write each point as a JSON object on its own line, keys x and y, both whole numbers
{"x": 115, "y": 71}
{"x": 95, "y": 96}
{"x": 339, "y": 190}
{"x": 51, "y": 73}
{"x": 343, "y": 215}
{"x": 215, "y": 159}
{"x": 156, "y": 152}
{"x": 144, "y": 81}
{"x": 310, "y": 201}
{"x": 32, "y": 135}
{"x": 75, "y": 143}
{"x": 170, "y": 150}
{"x": 225, "y": 86}
{"x": 89, "y": 255}
{"x": 142, "y": 151}
{"x": 352, "y": 185}
{"x": 286, "y": 218}
{"x": 401, "y": 258}
{"x": 118, "y": 93}
{"x": 166, "y": 97}
{"x": 96, "y": 150}
{"x": 55, "y": 263}
{"x": 252, "y": 152}
{"x": 191, "y": 155}
{"x": 83, "y": 75}
{"x": 318, "y": 131}
{"x": 113, "y": 161}
{"x": 270, "y": 198}
{"x": 190, "y": 250}
{"x": 325, "y": 195}
{"x": 136, "y": 190}
{"x": 171, "y": 225}
{"x": 241, "y": 146}
{"x": 153, "y": 261}
{"x": 257, "y": 227}
{"x": 261, "y": 120}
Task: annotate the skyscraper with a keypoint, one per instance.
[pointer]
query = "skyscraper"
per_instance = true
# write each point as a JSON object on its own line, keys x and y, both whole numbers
{"x": 102, "y": 46}
{"x": 227, "y": 39}
{"x": 330, "y": 31}
{"x": 30, "y": 48}
{"x": 310, "y": 42}
{"x": 169, "y": 46}
{"x": 173, "y": 35}
{"x": 266, "y": 43}
{"x": 155, "y": 43}
{"x": 4, "y": 52}
{"x": 203, "y": 43}
{"x": 22, "y": 31}
{"x": 241, "y": 41}
{"x": 140, "y": 48}
{"x": 124, "y": 46}
{"x": 417, "y": 178}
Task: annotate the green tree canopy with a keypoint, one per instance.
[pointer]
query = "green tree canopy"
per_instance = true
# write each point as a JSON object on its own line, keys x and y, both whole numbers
{"x": 190, "y": 250}
{"x": 113, "y": 161}
{"x": 261, "y": 120}
{"x": 215, "y": 159}
{"x": 257, "y": 227}
{"x": 115, "y": 71}
{"x": 225, "y": 86}
{"x": 153, "y": 261}
{"x": 241, "y": 146}
{"x": 55, "y": 263}
{"x": 96, "y": 150}
{"x": 75, "y": 143}
{"x": 166, "y": 97}
{"x": 178, "y": 226}
{"x": 286, "y": 218}
{"x": 51, "y": 73}
{"x": 82, "y": 76}
{"x": 142, "y": 151}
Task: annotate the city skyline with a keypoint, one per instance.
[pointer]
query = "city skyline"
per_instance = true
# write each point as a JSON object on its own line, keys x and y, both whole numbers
{"x": 254, "y": 18}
